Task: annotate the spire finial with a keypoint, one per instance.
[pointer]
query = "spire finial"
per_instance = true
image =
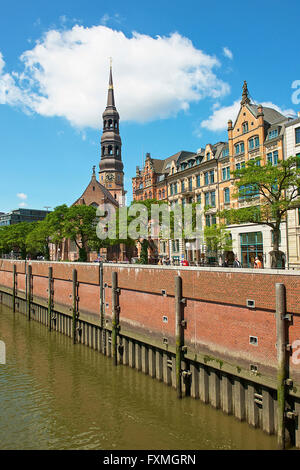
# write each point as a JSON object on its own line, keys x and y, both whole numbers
{"x": 245, "y": 97}
{"x": 94, "y": 172}
{"x": 110, "y": 97}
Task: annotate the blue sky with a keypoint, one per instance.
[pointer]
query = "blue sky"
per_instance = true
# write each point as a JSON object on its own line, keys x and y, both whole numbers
{"x": 178, "y": 74}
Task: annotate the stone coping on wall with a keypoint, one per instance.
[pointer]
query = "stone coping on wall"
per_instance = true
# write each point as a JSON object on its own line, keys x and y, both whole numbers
{"x": 286, "y": 272}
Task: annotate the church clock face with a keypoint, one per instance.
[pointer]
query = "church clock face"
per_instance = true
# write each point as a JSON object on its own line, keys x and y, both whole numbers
{"x": 110, "y": 177}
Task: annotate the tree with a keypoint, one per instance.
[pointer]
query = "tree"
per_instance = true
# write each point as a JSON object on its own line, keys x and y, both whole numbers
{"x": 80, "y": 226}
{"x": 217, "y": 240}
{"x": 276, "y": 186}
{"x": 14, "y": 237}
{"x": 37, "y": 241}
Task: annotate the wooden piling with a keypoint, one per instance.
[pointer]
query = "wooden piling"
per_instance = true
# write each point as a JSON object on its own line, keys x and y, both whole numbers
{"x": 29, "y": 289}
{"x": 14, "y": 287}
{"x": 115, "y": 317}
{"x": 281, "y": 362}
{"x": 50, "y": 297}
{"x": 74, "y": 318}
{"x": 179, "y": 333}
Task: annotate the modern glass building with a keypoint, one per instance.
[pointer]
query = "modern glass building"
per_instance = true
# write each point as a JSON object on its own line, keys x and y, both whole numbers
{"x": 22, "y": 215}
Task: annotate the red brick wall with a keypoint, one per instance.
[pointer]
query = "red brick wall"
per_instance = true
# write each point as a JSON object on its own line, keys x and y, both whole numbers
{"x": 218, "y": 320}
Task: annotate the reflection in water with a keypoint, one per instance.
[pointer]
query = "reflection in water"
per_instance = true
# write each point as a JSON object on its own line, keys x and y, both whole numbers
{"x": 55, "y": 395}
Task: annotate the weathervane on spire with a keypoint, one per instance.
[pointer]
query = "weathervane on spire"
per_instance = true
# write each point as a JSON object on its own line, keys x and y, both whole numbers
{"x": 245, "y": 97}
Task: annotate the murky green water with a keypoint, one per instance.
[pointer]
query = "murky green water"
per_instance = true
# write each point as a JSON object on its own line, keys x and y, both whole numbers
{"x": 54, "y": 395}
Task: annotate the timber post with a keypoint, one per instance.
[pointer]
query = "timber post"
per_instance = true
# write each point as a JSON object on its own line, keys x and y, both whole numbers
{"x": 281, "y": 363}
{"x": 50, "y": 297}
{"x": 14, "y": 287}
{"x": 115, "y": 316}
{"x": 29, "y": 290}
{"x": 179, "y": 333}
{"x": 75, "y": 304}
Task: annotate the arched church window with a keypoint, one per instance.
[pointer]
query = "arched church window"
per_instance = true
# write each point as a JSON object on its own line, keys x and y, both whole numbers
{"x": 116, "y": 124}
{"x": 117, "y": 150}
{"x": 110, "y": 150}
{"x": 109, "y": 123}
{"x": 104, "y": 124}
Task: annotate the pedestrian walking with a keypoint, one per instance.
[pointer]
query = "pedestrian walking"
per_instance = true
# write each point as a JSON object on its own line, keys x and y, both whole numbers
{"x": 237, "y": 263}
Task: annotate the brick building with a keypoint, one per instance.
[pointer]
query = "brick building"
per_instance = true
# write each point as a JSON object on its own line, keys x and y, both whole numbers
{"x": 206, "y": 177}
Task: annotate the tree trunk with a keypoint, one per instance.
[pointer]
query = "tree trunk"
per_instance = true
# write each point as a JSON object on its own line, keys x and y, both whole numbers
{"x": 276, "y": 254}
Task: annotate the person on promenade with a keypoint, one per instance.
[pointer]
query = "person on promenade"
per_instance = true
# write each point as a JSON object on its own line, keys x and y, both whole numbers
{"x": 237, "y": 263}
{"x": 185, "y": 262}
{"x": 257, "y": 263}
{"x": 225, "y": 264}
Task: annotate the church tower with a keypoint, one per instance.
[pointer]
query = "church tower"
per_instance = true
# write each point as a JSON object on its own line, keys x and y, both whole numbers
{"x": 111, "y": 173}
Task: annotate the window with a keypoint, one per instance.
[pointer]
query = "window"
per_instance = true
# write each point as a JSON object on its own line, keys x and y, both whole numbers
{"x": 208, "y": 156}
{"x": 171, "y": 189}
{"x": 163, "y": 194}
{"x": 175, "y": 188}
{"x": 212, "y": 176}
{"x": 198, "y": 181}
{"x": 213, "y": 198}
{"x": 207, "y": 199}
{"x": 239, "y": 148}
{"x": 297, "y": 135}
{"x": 210, "y": 220}
{"x": 206, "y": 178}
{"x": 273, "y": 157}
{"x": 159, "y": 194}
{"x": 253, "y": 143}
{"x": 226, "y": 173}
{"x": 190, "y": 164}
{"x": 175, "y": 245}
{"x": 248, "y": 191}
{"x": 272, "y": 134}
{"x": 190, "y": 184}
{"x": 245, "y": 127}
{"x": 182, "y": 166}
{"x": 182, "y": 186}
{"x": 199, "y": 198}
{"x": 225, "y": 152}
{"x": 226, "y": 196}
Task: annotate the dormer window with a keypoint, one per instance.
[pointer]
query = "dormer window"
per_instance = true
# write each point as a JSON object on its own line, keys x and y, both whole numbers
{"x": 208, "y": 156}
{"x": 272, "y": 134}
{"x": 225, "y": 152}
{"x": 245, "y": 127}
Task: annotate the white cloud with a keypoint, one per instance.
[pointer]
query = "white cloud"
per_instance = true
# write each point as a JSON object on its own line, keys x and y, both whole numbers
{"x": 22, "y": 204}
{"x": 66, "y": 74}
{"x": 22, "y": 196}
{"x": 218, "y": 120}
{"x": 227, "y": 53}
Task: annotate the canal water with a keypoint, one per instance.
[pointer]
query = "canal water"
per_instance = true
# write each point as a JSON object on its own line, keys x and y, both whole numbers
{"x": 54, "y": 395}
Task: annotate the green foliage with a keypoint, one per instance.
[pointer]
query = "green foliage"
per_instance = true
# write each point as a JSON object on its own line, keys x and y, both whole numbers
{"x": 277, "y": 188}
{"x": 217, "y": 239}
{"x": 13, "y": 237}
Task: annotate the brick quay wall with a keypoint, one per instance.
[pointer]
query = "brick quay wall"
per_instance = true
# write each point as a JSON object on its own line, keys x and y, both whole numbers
{"x": 229, "y": 323}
